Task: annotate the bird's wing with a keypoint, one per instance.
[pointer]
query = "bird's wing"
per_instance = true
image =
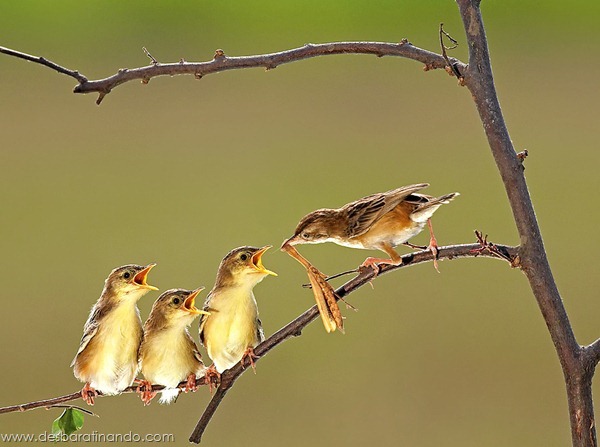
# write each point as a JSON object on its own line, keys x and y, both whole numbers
{"x": 260, "y": 333}
{"x": 203, "y": 318}
{"x": 89, "y": 331}
{"x": 193, "y": 347}
{"x": 363, "y": 213}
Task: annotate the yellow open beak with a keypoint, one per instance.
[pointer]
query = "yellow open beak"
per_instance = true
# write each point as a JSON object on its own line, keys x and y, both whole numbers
{"x": 189, "y": 303}
{"x": 257, "y": 261}
{"x": 140, "y": 278}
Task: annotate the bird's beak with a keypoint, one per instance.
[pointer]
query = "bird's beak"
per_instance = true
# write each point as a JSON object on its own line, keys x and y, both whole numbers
{"x": 287, "y": 242}
{"x": 189, "y": 303}
{"x": 257, "y": 261}
{"x": 140, "y": 278}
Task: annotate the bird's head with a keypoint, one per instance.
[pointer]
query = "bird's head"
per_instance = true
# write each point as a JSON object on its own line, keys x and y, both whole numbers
{"x": 314, "y": 228}
{"x": 176, "y": 307}
{"x": 243, "y": 265}
{"x": 129, "y": 282}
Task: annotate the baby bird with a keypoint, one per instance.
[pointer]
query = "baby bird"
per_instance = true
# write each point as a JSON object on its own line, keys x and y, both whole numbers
{"x": 168, "y": 354}
{"x": 232, "y": 330}
{"x": 107, "y": 357}
{"x": 376, "y": 222}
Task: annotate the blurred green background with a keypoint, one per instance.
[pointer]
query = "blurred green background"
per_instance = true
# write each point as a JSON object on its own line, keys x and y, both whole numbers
{"x": 180, "y": 171}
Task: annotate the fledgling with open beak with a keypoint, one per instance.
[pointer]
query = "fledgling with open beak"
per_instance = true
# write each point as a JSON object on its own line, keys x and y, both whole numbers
{"x": 107, "y": 359}
{"x": 232, "y": 330}
{"x": 376, "y": 222}
{"x": 168, "y": 354}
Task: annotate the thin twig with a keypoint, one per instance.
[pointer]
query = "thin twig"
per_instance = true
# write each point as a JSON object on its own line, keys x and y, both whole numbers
{"x": 329, "y": 278}
{"x": 295, "y": 327}
{"x": 154, "y": 61}
{"x": 43, "y": 61}
{"x": 451, "y": 65}
{"x": 221, "y": 62}
{"x": 84, "y": 410}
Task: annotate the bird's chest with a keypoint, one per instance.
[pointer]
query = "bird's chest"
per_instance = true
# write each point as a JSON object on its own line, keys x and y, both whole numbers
{"x": 119, "y": 336}
{"x": 232, "y": 325}
{"x": 113, "y": 364}
{"x": 168, "y": 359}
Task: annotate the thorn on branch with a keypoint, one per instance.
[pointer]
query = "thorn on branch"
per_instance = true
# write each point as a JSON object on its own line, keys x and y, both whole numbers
{"x": 154, "y": 61}
{"x": 101, "y": 96}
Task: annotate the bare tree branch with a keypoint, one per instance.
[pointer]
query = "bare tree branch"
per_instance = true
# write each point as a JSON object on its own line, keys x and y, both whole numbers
{"x": 574, "y": 360}
{"x": 55, "y": 401}
{"x": 295, "y": 327}
{"x": 221, "y": 62}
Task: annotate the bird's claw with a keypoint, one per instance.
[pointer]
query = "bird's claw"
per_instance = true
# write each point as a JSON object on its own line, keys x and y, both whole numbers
{"x": 144, "y": 389}
{"x": 88, "y": 394}
{"x": 251, "y": 356}
{"x": 190, "y": 384}
{"x": 212, "y": 378}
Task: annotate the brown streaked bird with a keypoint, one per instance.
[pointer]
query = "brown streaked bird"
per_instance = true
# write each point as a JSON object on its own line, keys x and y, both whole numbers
{"x": 168, "y": 355}
{"x": 376, "y": 222}
{"x": 232, "y": 330}
{"x": 107, "y": 357}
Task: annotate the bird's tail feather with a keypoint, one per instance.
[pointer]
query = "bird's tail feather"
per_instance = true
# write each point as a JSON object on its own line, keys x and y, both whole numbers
{"x": 169, "y": 395}
{"x": 426, "y": 210}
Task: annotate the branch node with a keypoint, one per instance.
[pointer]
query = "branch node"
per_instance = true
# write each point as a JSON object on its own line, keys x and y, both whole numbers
{"x": 404, "y": 41}
{"x": 182, "y": 61}
{"x": 154, "y": 61}
{"x": 198, "y": 75}
{"x": 219, "y": 54}
{"x": 523, "y": 155}
{"x": 145, "y": 80}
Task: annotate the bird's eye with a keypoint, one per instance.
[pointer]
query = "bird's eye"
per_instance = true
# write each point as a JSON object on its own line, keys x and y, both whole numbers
{"x": 176, "y": 300}
{"x": 244, "y": 257}
{"x": 306, "y": 235}
{"x": 126, "y": 275}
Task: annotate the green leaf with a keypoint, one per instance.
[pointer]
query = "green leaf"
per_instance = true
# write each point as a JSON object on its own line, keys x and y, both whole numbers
{"x": 68, "y": 422}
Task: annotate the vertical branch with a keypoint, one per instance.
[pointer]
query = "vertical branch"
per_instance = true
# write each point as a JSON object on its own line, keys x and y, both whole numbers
{"x": 534, "y": 262}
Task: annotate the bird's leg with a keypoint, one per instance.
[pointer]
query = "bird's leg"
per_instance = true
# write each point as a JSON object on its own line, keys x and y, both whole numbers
{"x": 88, "y": 394}
{"x": 395, "y": 259}
{"x": 144, "y": 389}
{"x": 212, "y": 377}
{"x": 250, "y": 355}
{"x": 191, "y": 383}
{"x": 433, "y": 246}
